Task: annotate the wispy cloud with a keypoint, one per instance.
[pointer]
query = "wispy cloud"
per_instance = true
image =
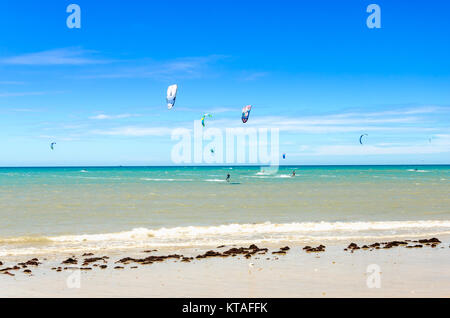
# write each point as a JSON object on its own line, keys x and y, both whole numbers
{"x": 187, "y": 67}
{"x": 219, "y": 110}
{"x": 36, "y": 93}
{"x": 26, "y": 110}
{"x": 333, "y": 123}
{"x": 64, "y": 56}
{"x": 366, "y": 150}
{"x": 440, "y": 144}
{"x": 398, "y": 112}
{"x": 414, "y": 119}
{"x": 11, "y": 83}
{"x": 104, "y": 116}
{"x": 58, "y": 138}
{"x": 15, "y": 94}
{"x": 133, "y": 131}
{"x": 251, "y": 76}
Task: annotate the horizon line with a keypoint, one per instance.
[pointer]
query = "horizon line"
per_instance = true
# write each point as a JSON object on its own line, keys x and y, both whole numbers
{"x": 227, "y": 166}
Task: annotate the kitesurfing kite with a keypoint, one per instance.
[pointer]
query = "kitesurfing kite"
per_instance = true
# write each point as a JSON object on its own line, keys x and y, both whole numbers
{"x": 284, "y": 156}
{"x": 361, "y": 137}
{"x": 246, "y": 113}
{"x": 171, "y": 95}
{"x": 52, "y": 145}
{"x": 203, "y": 119}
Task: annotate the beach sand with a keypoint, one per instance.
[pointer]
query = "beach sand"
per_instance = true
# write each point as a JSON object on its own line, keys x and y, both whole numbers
{"x": 404, "y": 272}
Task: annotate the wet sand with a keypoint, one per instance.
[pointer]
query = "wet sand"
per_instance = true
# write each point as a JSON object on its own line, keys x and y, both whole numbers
{"x": 298, "y": 271}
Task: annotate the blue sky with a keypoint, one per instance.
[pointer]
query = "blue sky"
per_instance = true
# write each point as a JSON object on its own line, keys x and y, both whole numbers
{"x": 313, "y": 69}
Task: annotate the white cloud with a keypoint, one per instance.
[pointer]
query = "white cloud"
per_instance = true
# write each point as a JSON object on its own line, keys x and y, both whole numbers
{"x": 414, "y": 119}
{"x": 25, "y": 110}
{"x": 396, "y": 112}
{"x": 317, "y": 126}
{"x": 366, "y": 150}
{"x": 11, "y": 83}
{"x": 440, "y": 145}
{"x": 133, "y": 131}
{"x": 16, "y": 94}
{"x": 65, "y": 56}
{"x": 187, "y": 67}
{"x": 223, "y": 110}
{"x": 103, "y": 116}
{"x": 251, "y": 76}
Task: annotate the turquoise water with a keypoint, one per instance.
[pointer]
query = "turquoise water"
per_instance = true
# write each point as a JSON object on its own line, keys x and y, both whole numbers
{"x": 130, "y": 206}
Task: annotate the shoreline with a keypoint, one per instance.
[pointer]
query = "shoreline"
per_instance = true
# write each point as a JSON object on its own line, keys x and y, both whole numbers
{"x": 210, "y": 236}
{"x": 253, "y": 271}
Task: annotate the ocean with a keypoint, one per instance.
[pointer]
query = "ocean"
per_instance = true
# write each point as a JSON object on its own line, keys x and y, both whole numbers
{"x": 52, "y": 210}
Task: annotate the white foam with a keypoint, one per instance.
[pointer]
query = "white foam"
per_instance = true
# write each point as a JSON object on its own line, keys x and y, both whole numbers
{"x": 159, "y": 179}
{"x": 414, "y": 170}
{"x": 259, "y": 177}
{"x": 254, "y": 230}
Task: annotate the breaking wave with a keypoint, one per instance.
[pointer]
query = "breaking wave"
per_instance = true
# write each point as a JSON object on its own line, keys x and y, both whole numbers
{"x": 191, "y": 236}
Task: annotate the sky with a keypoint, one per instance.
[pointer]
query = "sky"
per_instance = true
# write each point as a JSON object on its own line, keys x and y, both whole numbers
{"x": 312, "y": 69}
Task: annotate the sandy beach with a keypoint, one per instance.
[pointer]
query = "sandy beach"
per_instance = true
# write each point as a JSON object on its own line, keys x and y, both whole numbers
{"x": 334, "y": 272}
{"x": 180, "y": 232}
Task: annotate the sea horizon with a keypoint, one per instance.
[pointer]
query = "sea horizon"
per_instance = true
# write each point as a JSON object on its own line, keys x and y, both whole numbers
{"x": 231, "y": 165}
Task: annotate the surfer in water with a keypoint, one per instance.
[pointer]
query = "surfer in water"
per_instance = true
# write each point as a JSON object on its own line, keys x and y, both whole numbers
{"x": 293, "y": 173}
{"x": 228, "y": 177}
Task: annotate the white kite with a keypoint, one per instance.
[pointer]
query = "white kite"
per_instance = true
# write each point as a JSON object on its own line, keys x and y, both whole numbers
{"x": 171, "y": 95}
